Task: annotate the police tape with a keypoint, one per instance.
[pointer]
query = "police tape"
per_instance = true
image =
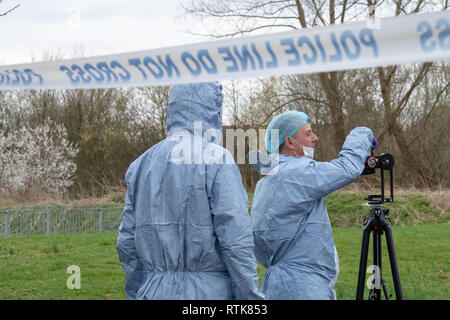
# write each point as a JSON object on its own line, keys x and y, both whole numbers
{"x": 399, "y": 40}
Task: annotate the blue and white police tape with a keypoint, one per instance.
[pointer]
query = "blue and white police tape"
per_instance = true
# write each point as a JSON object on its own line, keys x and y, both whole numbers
{"x": 399, "y": 40}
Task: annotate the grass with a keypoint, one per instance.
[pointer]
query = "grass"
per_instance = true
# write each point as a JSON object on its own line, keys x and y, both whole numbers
{"x": 114, "y": 199}
{"x": 345, "y": 208}
{"x": 422, "y": 255}
{"x": 35, "y": 267}
{"x": 349, "y": 209}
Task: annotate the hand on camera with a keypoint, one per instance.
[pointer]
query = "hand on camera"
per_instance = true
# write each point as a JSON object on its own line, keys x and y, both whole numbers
{"x": 374, "y": 143}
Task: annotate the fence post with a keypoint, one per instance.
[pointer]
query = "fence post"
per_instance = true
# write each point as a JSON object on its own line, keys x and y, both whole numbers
{"x": 48, "y": 220}
{"x": 6, "y": 223}
{"x": 100, "y": 220}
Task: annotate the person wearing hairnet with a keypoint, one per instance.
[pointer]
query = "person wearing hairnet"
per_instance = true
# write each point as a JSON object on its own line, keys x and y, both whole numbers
{"x": 291, "y": 228}
{"x": 186, "y": 232}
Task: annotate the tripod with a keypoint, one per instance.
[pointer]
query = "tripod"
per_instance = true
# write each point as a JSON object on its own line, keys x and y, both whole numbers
{"x": 377, "y": 223}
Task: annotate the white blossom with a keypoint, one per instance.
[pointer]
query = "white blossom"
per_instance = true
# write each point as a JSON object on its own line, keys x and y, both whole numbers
{"x": 39, "y": 156}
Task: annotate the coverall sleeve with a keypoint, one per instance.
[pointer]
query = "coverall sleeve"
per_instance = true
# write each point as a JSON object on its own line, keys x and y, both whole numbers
{"x": 126, "y": 248}
{"x": 319, "y": 179}
{"x": 233, "y": 229}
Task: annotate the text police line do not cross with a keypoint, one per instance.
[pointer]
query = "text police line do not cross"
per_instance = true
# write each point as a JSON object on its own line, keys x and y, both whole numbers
{"x": 236, "y": 58}
{"x": 399, "y": 40}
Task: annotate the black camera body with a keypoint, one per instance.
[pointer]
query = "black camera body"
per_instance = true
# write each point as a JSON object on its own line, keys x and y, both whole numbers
{"x": 384, "y": 161}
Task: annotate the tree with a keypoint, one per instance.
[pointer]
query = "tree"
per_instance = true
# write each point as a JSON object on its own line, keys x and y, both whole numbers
{"x": 238, "y": 17}
{"x": 9, "y": 10}
{"x": 37, "y": 157}
{"x": 150, "y": 106}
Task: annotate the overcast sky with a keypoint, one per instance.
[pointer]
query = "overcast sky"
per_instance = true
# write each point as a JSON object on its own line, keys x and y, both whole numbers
{"x": 38, "y": 28}
{"x": 70, "y": 28}
{"x": 92, "y": 27}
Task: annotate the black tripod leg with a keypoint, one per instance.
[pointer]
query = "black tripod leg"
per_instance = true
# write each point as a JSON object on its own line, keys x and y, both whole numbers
{"x": 376, "y": 290}
{"x": 393, "y": 260}
{"x": 386, "y": 294}
{"x": 363, "y": 260}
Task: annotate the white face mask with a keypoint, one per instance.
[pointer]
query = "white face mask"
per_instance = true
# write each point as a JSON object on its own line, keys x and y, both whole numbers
{"x": 308, "y": 151}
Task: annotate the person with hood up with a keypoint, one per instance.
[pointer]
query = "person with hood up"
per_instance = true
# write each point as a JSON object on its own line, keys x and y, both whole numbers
{"x": 186, "y": 232}
{"x": 291, "y": 228}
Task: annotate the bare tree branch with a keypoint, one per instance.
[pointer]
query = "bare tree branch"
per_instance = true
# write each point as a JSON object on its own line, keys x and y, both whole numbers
{"x": 403, "y": 101}
{"x": 344, "y": 6}
{"x": 6, "y": 12}
{"x": 318, "y": 14}
{"x": 273, "y": 111}
{"x": 241, "y": 32}
{"x": 433, "y": 107}
{"x": 301, "y": 14}
{"x": 332, "y": 13}
{"x": 417, "y": 9}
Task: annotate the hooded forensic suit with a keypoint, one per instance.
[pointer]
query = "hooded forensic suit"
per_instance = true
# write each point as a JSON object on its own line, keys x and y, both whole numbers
{"x": 292, "y": 231}
{"x": 186, "y": 232}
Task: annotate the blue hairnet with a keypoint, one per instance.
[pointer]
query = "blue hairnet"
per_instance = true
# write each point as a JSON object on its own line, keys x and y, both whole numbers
{"x": 287, "y": 124}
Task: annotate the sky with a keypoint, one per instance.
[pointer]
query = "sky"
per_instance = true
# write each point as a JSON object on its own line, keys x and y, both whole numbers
{"x": 61, "y": 29}
{"x": 71, "y": 28}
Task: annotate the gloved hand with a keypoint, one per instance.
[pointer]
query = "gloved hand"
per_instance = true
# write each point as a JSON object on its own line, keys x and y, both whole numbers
{"x": 374, "y": 143}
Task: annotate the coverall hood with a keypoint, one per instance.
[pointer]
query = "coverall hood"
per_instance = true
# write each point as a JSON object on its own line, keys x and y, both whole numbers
{"x": 195, "y": 102}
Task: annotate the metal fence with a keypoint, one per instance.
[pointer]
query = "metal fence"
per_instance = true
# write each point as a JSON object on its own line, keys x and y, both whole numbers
{"x": 56, "y": 220}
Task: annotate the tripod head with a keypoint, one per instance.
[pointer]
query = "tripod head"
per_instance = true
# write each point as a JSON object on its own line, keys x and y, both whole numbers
{"x": 384, "y": 161}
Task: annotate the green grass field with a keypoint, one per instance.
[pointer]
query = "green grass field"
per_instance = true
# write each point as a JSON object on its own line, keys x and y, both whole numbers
{"x": 347, "y": 209}
{"x": 35, "y": 267}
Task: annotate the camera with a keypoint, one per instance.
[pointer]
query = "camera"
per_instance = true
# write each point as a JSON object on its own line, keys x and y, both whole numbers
{"x": 384, "y": 161}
